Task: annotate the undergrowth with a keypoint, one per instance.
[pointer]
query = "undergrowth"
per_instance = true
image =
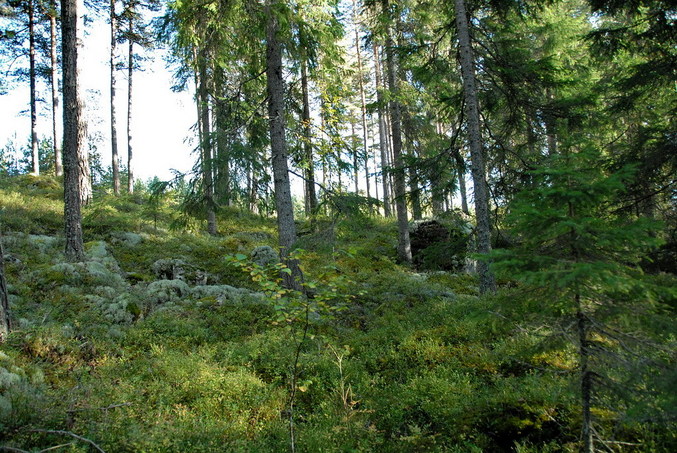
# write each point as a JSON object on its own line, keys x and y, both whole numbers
{"x": 117, "y": 353}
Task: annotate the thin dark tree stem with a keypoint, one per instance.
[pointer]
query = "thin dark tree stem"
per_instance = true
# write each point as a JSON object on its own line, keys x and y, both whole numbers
{"x": 113, "y": 116}
{"x": 35, "y": 156}
{"x": 58, "y": 159}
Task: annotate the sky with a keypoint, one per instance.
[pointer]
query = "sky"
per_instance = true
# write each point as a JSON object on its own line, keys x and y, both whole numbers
{"x": 161, "y": 124}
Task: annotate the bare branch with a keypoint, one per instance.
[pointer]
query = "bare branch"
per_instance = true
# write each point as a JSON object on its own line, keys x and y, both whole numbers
{"x": 68, "y": 433}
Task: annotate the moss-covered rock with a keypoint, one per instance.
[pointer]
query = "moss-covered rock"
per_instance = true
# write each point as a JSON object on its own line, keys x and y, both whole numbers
{"x": 264, "y": 255}
{"x": 164, "y": 291}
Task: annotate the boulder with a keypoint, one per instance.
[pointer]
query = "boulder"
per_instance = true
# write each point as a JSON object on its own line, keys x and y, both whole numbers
{"x": 169, "y": 269}
{"x": 436, "y": 246}
{"x": 264, "y": 256}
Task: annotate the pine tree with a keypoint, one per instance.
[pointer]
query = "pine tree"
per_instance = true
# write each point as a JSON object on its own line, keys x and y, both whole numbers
{"x": 73, "y": 132}
{"x": 472, "y": 111}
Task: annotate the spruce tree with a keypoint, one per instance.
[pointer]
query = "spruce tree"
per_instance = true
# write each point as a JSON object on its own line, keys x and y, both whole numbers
{"x": 582, "y": 257}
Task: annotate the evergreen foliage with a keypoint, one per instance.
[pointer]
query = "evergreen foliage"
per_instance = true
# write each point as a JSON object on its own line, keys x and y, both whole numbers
{"x": 156, "y": 343}
{"x": 298, "y": 322}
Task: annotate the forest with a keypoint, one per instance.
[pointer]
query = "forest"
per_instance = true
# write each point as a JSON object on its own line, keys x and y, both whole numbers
{"x": 410, "y": 226}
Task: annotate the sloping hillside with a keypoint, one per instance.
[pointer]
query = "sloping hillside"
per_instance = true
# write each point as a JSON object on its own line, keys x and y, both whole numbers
{"x": 167, "y": 339}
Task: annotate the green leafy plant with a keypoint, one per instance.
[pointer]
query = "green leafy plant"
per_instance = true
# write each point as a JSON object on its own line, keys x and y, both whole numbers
{"x": 295, "y": 311}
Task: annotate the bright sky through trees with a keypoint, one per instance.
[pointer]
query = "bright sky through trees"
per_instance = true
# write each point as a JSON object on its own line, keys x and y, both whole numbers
{"x": 162, "y": 121}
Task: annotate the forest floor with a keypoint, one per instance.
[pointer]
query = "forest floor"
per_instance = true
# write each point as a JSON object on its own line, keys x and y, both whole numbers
{"x": 166, "y": 339}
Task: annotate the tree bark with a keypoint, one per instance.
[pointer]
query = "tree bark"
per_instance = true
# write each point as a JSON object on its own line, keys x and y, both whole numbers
{"x": 309, "y": 170}
{"x": 278, "y": 143}
{"x": 403, "y": 242}
{"x": 363, "y": 103}
{"x": 414, "y": 189}
{"x": 73, "y": 131}
{"x": 383, "y": 133}
{"x": 356, "y": 160}
{"x": 223, "y": 139}
{"x": 35, "y": 155}
{"x": 487, "y": 283}
{"x": 130, "y": 78}
{"x": 86, "y": 194}
{"x": 206, "y": 145}
{"x": 113, "y": 116}
{"x": 58, "y": 159}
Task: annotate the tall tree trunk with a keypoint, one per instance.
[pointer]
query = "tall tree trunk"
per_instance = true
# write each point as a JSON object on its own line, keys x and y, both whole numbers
{"x": 438, "y": 190}
{"x": 487, "y": 283}
{"x": 363, "y": 103}
{"x": 403, "y": 243}
{"x": 73, "y": 130}
{"x": 382, "y": 133}
{"x": 5, "y": 321}
{"x": 35, "y": 155}
{"x": 113, "y": 117}
{"x": 415, "y": 194}
{"x": 373, "y": 146}
{"x": 356, "y": 160}
{"x": 389, "y": 157}
{"x": 206, "y": 145}
{"x": 58, "y": 159}
{"x": 223, "y": 139}
{"x": 278, "y": 143}
{"x": 130, "y": 79}
{"x": 309, "y": 170}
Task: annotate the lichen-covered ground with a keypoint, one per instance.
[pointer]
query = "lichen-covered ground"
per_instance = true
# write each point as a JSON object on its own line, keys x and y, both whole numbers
{"x": 158, "y": 342}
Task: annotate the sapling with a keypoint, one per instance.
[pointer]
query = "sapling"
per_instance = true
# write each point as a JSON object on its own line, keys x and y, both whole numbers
{"x": 296, "y": 311}
{"x": 583, "y": 256}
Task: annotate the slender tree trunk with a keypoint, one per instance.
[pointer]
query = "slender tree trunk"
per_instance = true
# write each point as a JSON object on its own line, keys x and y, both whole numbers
{"x": 58, "y": 159}
{"x": 278, "y": 143}
{"x": 363, "y": 103}
{"x": 390, "y": 158}
{"x": 206, "y": 145}
{"x": 373, "y": 146}
{"x": 35, "y": 156}
{"x": 383, "y": 133}
{"x": 130, "y": 79}
{"x": 73, "y": 131}
{"x": 223, "y": 139}
{"x": 415, "y": 194}
{"x": 356, "y": 160}
{"x": 113, "y": 116}
{"x": 487, "y": 283}
{"x": 583, "y": 352}
{"x": 403, "y": 243}
{"x": 460, "y": 170}
{"x": 585, "y": 381}
{"x": 309, "y": 170}
{"x": 438, "y": 191}
{"x": 5, "y": 321}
